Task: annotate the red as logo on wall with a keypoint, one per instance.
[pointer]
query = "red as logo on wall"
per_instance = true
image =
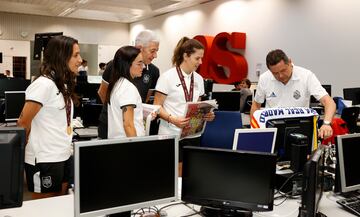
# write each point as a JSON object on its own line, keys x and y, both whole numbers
{"x": 222, "y": 62}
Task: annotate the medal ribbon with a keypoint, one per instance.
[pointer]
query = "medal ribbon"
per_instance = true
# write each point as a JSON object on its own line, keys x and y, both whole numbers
{"x": 188, "y": 96}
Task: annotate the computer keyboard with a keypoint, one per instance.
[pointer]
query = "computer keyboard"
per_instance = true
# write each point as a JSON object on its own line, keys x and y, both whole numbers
{"x": 351, "y": 204}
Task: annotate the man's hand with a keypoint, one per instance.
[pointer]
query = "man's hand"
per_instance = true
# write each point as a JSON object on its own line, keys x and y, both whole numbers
{"x": 325, "y": 131}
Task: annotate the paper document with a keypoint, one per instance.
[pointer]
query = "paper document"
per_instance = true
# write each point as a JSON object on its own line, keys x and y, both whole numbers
{"x": 149, "y": 113}
{"x": 196, "y": 111}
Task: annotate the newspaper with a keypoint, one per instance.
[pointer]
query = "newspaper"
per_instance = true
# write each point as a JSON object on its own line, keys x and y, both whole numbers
{"x": 196, "y": 111}
{"x": 149, "y": 113}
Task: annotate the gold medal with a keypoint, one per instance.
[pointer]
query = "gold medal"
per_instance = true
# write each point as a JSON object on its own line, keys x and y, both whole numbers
{"x": 69, "y": 130}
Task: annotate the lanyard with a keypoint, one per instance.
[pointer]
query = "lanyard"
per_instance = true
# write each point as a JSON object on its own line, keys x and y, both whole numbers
{"x": 188, "y": 96}
{"x": 68, "y": 114}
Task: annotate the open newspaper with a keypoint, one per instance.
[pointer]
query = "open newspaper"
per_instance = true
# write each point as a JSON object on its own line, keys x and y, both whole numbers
{"x": 196, "y": 111}
{"x": 148, "y": 115}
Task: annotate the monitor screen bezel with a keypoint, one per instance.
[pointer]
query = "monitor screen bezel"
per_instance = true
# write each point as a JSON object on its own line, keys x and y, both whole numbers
{"x": 235, "y": 104}
{"x": 6, "y": 94}
{"x": 222, "y": 203}
{"x": 257, "y": 130}
{"x": 313, "y": 175}
{"x": 20, "y": 168}
{"x": 340, "y": 164}
{"x": 84, "y": 144}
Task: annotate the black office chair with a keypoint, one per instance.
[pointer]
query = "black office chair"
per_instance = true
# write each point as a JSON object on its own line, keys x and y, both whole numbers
{"x": 248, "y": 103}
{"x": 350, "y": 116}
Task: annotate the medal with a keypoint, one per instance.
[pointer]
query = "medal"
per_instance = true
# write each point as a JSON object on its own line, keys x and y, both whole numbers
{"x": 69, "y": 130}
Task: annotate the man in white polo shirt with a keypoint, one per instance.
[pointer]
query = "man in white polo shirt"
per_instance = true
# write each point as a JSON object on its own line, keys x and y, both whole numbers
{"x": 287, "y": 85}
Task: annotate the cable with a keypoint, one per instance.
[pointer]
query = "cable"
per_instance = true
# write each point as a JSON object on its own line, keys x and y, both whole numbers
{"x": 287, "y": 180}
{"x": 173, "y": 204}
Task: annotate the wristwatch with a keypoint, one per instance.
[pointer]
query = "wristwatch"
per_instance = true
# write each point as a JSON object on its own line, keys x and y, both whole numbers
{"x": 327, "y": 123}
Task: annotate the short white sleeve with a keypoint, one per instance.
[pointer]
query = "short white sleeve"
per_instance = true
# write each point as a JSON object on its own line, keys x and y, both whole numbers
{"x": 315, "y": 87}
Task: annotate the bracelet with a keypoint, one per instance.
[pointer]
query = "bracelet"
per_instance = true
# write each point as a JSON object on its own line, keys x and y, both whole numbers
{"x": 169, "y": 118}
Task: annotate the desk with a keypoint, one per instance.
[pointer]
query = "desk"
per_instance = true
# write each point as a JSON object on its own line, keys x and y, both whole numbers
{"x": 63, "y": 206}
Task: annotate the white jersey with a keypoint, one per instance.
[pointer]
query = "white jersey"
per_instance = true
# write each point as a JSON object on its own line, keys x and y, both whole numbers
{"x": 296, "y": 93}
{"x": 175, "y": 104}
{"x": 48, "y": 139}
{"x": 123, "y": 94}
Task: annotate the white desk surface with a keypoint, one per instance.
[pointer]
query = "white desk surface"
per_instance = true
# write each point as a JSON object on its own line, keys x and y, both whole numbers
{"x": 63, "y": 206}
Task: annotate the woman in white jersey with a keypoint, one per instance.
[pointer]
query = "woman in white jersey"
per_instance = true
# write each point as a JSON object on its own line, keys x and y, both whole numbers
{"x": 179, "y": 85}
{"x": 125, "y": 117}
{"x": 47, "y": 116}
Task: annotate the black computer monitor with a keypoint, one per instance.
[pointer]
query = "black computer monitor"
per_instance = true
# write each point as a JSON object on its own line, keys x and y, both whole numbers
{"x": 312, "y": 184}
{"x": 327, "y": 87}
{"x": 286, "y": 126}
{"x": 87, "y": 91}
{"x": 352, "y": 94}
{"x": 119, "y": 175}
{"x": 227, "y": 100}
{"x": 41, "y": 41}
{"x": 13, "y": 84}
{"x": 227, "y": 181}
{"x": 14, "y": 103}
{"x": 12, "y": 147}
{"x": 348, "y": 167}
{"x": 90, "y": 114}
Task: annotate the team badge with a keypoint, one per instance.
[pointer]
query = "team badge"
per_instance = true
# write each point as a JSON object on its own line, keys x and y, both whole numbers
{"x": 46, "y": 181}
{"x": 297, "y": 94}
{"x": 146, "y": 79}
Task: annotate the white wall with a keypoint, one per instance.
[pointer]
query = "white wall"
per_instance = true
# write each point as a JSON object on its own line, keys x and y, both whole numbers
{"x": 11, "y": 48}
{"x": 321, "y": 35}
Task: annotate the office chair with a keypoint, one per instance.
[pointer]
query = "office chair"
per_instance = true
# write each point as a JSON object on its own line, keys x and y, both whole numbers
{"x": 219, "y": 133}
{"x": 247, "y": 106}
{"x": 350, "y": 116}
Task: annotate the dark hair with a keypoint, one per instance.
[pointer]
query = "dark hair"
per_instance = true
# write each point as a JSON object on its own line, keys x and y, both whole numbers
{"x": 102, "y": 65}
{"x": 185, "y": 46}
{"x": 275, "y": 56}
{"x": 57, "y": 55}
{"x": 247, "y": 81}
{"x": 123, "y": 59}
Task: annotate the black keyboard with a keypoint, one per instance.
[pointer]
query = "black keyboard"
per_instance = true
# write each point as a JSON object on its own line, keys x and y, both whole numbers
{"x": 351, "y": 204}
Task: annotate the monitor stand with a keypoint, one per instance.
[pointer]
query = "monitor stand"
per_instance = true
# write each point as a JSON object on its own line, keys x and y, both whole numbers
{"x": 217, "y": 212}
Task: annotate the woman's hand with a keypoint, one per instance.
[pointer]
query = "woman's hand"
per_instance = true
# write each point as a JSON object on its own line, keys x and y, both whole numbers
{"x": 209, "y": 116}
{"x": 179, "y": 121}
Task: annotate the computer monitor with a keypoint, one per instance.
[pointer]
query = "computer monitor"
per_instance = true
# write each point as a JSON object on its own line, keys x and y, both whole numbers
{"x": 13, "y": 84}
{"x": 41, "y": 41}
{"x": 347, "y": 148}
{"x": 87, "y": 90}
{"x": 90, "y": 114}
{"x": 14, "y": 103}
{"x": 12, "y": 147}
{"x": 352, "y": 94}
{"x": 119, "y": 175}
{"x": 227, "y": 100}
{"x": 228, "y": 181}
{"x": 313, "y": 184}
{"x": 260, "y": 140}
{"x": 287, "y": 126}
{"x": 327, "y": 87}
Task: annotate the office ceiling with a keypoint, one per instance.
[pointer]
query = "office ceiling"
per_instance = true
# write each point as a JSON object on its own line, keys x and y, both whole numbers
{"x": 124, "y": 11}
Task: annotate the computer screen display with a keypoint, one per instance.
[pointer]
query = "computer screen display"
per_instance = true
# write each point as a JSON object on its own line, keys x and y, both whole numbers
{"x": 313, "y": 184}
{"x": 13, "y": 84}
{"x": 228, "y": 180}
{"x": 227, "y": 100}
{"x": 14, "y": 103}
{"x": 286, "y": 126}
{"x": 41, "y": 41}
{"x": 260, "y": 140}
{"x": 352, "y": 94}
{"x": 327, "y": 87}
{"x": 348, "y": 146}
{"x": 119, "y": 175}
{"x": 12, "y": 148}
